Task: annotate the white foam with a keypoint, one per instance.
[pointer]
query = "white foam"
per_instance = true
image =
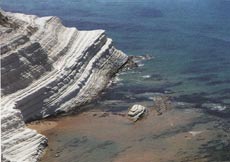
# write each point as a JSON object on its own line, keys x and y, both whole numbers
{"x": 117, "y": 79}
{"x": 146, "y": 76}
{"x": 219, "y": 107}
{"x": 214, "y": 106}
{"x": 140, "y": 65}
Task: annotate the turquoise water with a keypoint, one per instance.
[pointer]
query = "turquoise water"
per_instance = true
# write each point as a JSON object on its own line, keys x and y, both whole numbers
{"x": 189, "y": 41}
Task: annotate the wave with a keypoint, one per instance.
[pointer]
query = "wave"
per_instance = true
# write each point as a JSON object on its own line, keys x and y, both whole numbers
{"x": 146, "y": 76}
{"x": 141, "y": 65}
{"x": 214, "y": 106}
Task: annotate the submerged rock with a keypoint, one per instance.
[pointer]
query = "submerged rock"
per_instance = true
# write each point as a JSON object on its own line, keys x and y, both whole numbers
{"x": 130, "y": 64}
{"x": 141, "y": 57}
{"x": 135, "y": 61}
{"x": 136, "y": 112}
{"x": 161, "y": 104}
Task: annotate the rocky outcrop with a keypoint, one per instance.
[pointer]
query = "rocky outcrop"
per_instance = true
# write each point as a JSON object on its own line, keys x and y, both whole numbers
{"x": 47, "y": 68}
{"x": 136, "y": 112}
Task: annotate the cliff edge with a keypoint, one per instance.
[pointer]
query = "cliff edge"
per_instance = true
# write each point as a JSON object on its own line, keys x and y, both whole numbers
{"x": 47, "y": 68}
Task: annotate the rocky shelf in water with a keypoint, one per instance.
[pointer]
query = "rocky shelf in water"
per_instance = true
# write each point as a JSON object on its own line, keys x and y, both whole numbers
{"x": 47, "y": 69}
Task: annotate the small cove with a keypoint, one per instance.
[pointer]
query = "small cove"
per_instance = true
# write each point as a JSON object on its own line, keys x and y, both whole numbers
{"x": 96, "y": 135}
{"x": 189, "y": 45}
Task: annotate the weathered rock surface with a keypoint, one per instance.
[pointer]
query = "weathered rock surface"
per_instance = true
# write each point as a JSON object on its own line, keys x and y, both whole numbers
{"x": 136, "y": 112}
{"x": 161, "y": 104}
{"x": 47, "y": 68}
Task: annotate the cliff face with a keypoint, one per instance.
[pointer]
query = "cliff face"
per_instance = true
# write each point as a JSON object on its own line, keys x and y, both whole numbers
{"x": 47, "y": 68}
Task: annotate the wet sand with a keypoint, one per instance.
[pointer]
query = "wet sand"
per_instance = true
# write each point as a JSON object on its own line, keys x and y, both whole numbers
{"x": 42, "y": 126}
{"x": 176, "y": 135}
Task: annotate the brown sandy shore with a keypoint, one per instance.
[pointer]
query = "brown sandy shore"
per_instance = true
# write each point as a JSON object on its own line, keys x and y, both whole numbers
{"x": 176, "y": 135}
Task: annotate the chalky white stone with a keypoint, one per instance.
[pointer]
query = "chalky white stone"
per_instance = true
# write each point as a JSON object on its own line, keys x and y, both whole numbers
{"x": 136, "y": 111}
{"x": 47, "y": 68}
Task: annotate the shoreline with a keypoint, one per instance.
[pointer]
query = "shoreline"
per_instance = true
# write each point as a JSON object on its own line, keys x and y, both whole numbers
{"x": 62, "y": 66}
{"x": 178, "y": 129}
{"x": 190, "y": 66}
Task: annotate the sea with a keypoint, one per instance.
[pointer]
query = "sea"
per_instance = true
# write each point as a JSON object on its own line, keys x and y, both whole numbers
{"x": 188, "y": 43}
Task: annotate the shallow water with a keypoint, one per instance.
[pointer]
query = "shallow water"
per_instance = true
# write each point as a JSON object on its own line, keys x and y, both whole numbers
{"x": 177, "y": 135}
{"x": 189, "y": 41}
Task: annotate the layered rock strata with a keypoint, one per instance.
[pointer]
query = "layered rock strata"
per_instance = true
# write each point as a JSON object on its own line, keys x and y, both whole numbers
{"x": 136, "y": 111}
{"x": 47, "y": 68}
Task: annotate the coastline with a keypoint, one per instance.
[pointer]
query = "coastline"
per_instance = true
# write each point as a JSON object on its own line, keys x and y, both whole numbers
{"x": 188, "y": 41}
{"x": 56, "y": 72}
{"x": 74, "y": 136}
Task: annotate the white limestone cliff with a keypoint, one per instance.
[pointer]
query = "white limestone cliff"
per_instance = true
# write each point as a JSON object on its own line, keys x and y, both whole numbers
{"x": 47, "y": 68}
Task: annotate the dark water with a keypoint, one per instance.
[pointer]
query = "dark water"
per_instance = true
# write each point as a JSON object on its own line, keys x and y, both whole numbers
{"x": 189, "y": 40}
